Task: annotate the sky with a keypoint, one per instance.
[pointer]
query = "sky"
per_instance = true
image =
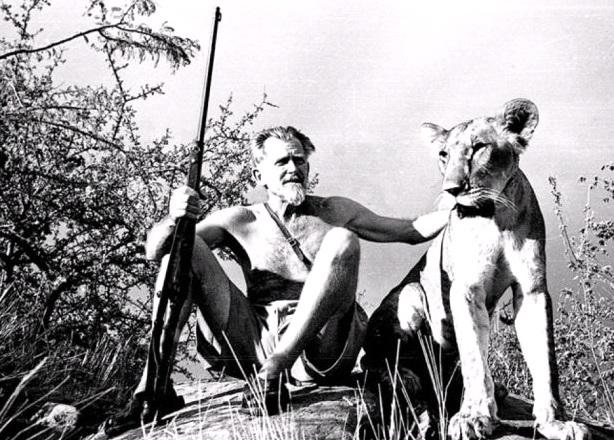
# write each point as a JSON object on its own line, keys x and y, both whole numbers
{"x": 360, "y": 77}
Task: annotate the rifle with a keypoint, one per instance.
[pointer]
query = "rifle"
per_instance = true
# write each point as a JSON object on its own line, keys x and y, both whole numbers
{"x": 176, "y": 281}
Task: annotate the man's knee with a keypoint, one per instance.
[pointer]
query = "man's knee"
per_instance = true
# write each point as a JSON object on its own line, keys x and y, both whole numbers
{"x": 208, "y": 276}
{"x": 342, "y": 243}
{"x": 204, "y": 262}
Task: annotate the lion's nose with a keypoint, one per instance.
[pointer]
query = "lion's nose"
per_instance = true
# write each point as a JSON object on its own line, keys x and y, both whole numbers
{"x": 453, "y": 188}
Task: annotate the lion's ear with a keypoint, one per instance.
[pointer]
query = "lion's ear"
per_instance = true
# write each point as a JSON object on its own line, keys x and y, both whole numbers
{"x": 433, "y": 134}
{"x": 520, "y": 116}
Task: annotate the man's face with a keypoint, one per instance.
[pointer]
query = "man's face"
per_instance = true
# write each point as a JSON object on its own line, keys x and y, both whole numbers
{"x": 284, "y": 170}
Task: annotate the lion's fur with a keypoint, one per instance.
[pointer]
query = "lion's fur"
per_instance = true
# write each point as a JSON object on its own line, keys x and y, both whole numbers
{"x": 494, "y": 241}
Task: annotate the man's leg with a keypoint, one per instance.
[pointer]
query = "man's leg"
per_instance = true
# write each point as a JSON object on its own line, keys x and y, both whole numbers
{"x": 328, "y": 295}
{"x": 213, "y": 293}
{"x": 217, "y": 298}
{"x": 227, "y": 322}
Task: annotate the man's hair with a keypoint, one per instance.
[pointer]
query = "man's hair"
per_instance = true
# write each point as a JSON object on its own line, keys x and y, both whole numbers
{"x": 256, "y": 143}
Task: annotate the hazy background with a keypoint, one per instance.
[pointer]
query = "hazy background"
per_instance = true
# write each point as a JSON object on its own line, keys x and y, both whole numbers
{"x": 360, "y": 77}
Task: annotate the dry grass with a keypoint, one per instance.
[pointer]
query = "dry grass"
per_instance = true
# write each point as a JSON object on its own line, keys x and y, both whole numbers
{"x": 248, "y": 424}
{"x": 36, "y": 368}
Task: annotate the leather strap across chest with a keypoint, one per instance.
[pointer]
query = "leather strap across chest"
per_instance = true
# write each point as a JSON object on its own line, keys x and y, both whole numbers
{"x": 294, "y": 243}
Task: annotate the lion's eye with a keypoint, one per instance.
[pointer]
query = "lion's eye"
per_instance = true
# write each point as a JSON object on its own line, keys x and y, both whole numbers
{"x": 443, "y": 154}
{"x": 479, "y": 145}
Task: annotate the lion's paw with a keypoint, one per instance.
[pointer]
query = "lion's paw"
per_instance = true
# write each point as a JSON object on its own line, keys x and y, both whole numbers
{"x": 467, "y": 427}
{"x": 556, "y": 430}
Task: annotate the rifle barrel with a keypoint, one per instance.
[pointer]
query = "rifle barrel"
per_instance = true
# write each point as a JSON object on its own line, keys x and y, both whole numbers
{"x": 196, "y": 165}
{"x": 177, "y": 275}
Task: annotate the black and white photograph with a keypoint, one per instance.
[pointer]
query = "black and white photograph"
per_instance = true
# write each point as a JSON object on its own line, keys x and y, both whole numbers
{"x": 317, "y": 220}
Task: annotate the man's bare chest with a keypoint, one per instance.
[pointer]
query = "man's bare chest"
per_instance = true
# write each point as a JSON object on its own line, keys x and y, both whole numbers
{"x": 268, "y": 249}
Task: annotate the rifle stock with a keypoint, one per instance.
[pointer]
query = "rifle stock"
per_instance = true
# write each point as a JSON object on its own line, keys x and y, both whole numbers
{"x": 177, "y": 276}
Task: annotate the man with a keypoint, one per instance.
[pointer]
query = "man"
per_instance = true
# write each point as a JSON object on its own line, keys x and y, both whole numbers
{"x": 299, "y": 313}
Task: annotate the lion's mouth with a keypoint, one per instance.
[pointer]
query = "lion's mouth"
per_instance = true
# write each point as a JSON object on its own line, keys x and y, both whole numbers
{"x": 482, "y": 202}
{"x": 472, "y": 198}
{"x": 476, "y": 202}
{"x": 484, "y": 209}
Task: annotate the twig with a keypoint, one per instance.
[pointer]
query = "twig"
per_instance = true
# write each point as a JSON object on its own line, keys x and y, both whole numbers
{"x": 57, "y": 43}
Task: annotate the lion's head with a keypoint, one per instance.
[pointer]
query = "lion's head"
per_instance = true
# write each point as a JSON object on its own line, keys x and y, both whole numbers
{"x": 478, "y": 157}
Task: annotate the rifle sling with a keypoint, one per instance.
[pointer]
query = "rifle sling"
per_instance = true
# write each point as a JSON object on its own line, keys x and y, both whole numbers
{"x": 296, "y": 246}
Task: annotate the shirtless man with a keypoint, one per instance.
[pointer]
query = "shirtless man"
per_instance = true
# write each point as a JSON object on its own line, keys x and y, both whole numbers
{"x": 295, "y": 308}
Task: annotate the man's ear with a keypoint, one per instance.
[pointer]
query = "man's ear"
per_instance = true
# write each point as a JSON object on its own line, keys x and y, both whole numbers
{"x": 256, "y": 175}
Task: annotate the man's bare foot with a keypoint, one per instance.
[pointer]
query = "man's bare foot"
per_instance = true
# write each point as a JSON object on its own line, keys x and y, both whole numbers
{"x": 265, "y": 396}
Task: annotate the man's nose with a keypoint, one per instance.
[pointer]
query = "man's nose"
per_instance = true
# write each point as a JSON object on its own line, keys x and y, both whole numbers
{"x": 291, "y": 166}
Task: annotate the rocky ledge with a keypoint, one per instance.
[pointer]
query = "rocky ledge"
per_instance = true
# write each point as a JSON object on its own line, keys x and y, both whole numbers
{"x": 213, "y": 412}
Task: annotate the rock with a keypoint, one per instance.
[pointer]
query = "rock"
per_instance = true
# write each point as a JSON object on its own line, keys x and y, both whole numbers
{"x": 517, "y": 422}
{"x": 59, "y": 418}
{"x": 213, "y": 412}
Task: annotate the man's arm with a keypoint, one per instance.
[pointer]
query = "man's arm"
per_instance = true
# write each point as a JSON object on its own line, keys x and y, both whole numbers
{"x": 184, "y": 202}
{"x": 159, "y": 239}
{"x": 373, "y": 227}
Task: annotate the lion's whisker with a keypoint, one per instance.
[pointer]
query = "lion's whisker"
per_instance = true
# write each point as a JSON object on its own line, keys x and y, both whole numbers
{"x": 485, "y": 194}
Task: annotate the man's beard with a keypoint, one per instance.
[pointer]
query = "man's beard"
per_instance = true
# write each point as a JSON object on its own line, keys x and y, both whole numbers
{"x": 292, "y": 193}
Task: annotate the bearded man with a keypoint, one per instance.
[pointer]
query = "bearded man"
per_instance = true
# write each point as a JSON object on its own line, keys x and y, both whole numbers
{"x": 299, "y": 255}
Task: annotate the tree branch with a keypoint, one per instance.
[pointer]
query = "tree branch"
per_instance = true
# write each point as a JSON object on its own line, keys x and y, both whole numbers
{"x": 52, "y": 299}
{"x": 79, "y": 131}
{"x": 36, "y": 256}
{"x": 120, "y": 86}
{"x": 57, "y": 43}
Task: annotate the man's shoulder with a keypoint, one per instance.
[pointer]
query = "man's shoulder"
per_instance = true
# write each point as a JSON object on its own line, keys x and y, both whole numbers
{"x": 232, "y": 216}
{"x": 333, "y": 203}
{"x": 336, "y": 210}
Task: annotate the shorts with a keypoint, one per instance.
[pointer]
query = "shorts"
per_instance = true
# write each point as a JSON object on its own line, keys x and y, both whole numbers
{"x": 253, "y": 330}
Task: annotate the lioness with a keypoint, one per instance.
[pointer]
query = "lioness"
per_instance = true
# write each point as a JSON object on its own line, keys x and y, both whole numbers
{"x": 494, "y": 240}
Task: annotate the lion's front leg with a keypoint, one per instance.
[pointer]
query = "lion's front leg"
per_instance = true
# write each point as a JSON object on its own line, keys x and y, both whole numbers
{"x": 535, "y": 335}
{"x": 534, "y": 327}
{"x": 478, "y": 415}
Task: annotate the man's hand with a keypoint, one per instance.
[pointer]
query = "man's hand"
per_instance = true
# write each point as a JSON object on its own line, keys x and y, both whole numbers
{"x": 427, "y": 226}
{"x": 445, "y": 201}
{"x": 184, "y": 203}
